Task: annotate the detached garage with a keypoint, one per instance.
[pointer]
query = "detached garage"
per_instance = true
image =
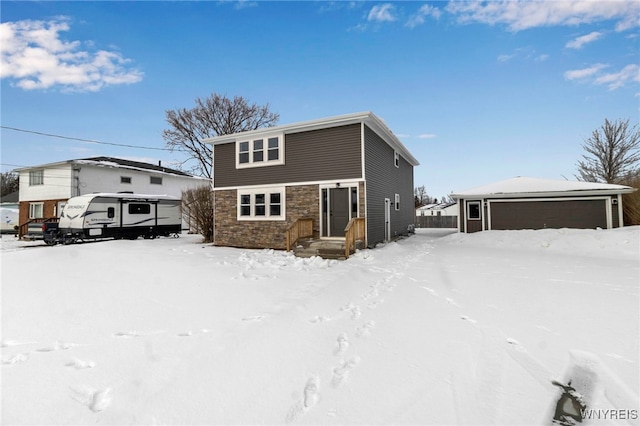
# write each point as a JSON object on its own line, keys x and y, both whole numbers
{"x": 530, "y": 203}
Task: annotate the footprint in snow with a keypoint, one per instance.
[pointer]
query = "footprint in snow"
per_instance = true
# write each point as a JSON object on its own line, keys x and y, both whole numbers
{"x": 375, "y": 304}
{"x": 186, "y": 334}
{"x": 94, "y": 399}
{"x": 8, "y": 343}
{"x": 365, "y": 330}
{"x": 253, "y": 318}
{"x": 451, "y": 301}
{"x": 341, "y": 372}
{"x": 355, "y": 310}
{"x": 430, "y": 290}
{"x": 129, "y": 333}
{"x": 466, "y": 318}
{"x": 343, "y": 344}
{"x": 310, "y": 397}
{"x": 57, "y": 346}
{"x": 319, "y": 319}
{"x": 79, "y": 364}
{"x": 16, "y": 359}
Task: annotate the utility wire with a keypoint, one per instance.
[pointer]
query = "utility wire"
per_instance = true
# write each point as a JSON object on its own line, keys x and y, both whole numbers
{"x": 83, "y": 140}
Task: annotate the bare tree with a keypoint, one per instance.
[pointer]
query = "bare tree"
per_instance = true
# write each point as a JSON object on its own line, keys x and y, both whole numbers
{"x": 9, "y": 181}
{"x": 612, "y": 153}
{"x": 197, "y": 205}
{"x": 421, "y": 197}
{"x": 214, "y": 116}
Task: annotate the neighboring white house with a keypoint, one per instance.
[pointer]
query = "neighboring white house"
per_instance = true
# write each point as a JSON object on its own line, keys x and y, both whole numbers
{"x": 45, "y": 188}
{"x": 440, "y": 209}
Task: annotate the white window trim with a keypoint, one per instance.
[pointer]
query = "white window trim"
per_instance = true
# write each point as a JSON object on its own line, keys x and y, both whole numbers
{"x": 265, "y": 151}
{"x": 396, "y": 159}
{"x": 31, "y": 210}
{"x": 40, "y": 180}
{"x": 397, "y": 202}
{"x": 479, "y": 204}
{"x": 267, "y": 191}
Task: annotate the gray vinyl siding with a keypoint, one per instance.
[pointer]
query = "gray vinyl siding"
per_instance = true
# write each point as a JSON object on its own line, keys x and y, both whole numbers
{"x": 384, "y": 180}
{"x": 325, "y": 154}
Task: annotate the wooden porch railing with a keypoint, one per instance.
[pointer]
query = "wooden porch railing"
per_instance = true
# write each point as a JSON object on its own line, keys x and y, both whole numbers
{"x": 354, "y": 231}
{"x": 301, "y": 228}
{"x": 24, "y": 227}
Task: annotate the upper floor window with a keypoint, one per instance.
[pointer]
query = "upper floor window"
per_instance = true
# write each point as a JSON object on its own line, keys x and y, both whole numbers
{"x": 155, "y": 180}
{"x": 264, "y": 151}
{"x": 126, "y": 179}
{"x": 36, "y": 177}
{"x": 396, "y": 158}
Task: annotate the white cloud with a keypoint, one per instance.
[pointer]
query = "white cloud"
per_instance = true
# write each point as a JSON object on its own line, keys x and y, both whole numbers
{"x": 34, "y": 55}
{"x": 523, "y": 53}
{"x": 419, "y": 17}
{"x": 584, "y": 72}
{"x": 613, "y": 80}
{"x": 523, "y": 14}
{"x": 505, "y": 57}
{"x": 630, "y": 73}
{"x": 578, "y": 42}
{"x": 426, "y": 136}
{"x": 382, "y": 13}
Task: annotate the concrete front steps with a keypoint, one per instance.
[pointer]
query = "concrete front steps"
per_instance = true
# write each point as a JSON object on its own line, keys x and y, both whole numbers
{"x": 327, "y": 249}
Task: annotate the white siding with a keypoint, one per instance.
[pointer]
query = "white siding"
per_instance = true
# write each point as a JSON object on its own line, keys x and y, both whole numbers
{"x": 57, "y": 184}
{"x": 106, "y": 179}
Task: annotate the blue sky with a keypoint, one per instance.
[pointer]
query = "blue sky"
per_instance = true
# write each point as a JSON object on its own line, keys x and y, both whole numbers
{"x": 477, "y": 91}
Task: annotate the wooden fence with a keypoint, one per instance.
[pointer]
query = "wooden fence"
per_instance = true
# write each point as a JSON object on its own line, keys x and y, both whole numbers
{"x": 436, "y": 221}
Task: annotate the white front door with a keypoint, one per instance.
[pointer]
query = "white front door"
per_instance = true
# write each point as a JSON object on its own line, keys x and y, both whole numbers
{"x": 387, "y": 219}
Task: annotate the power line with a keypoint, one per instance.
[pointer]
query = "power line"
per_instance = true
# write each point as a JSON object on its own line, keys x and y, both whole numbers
{"x": 83, "y": 140}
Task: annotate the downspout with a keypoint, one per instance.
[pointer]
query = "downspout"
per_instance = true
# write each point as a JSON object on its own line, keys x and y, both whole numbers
{"x": 76, "y": 178}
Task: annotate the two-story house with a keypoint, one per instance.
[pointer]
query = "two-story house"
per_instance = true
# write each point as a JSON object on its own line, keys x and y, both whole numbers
{"x": 44, "y": 189}
{"x": 330, "y": 170}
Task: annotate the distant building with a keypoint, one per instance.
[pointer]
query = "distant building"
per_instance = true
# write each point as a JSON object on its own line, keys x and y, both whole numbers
{"x": 440, "y": 215}
{"x": 44, "y": 189}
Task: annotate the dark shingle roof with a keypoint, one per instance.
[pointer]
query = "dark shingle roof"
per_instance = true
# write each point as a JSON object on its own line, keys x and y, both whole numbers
{"x": 134, "y": 164}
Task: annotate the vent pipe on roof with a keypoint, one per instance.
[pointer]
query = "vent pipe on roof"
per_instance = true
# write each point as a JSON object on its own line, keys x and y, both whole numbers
{"x": 159, "y": 163}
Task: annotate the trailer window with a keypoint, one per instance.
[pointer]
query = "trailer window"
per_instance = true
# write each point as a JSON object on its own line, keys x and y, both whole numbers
{"x": 139, "y": 208}
{"x": 111, "y": 212}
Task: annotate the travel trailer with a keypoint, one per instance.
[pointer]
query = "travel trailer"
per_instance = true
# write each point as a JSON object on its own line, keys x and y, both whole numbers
{"x": 120, "y": 215}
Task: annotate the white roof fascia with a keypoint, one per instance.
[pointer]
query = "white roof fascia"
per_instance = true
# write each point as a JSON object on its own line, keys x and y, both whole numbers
{"x": 375, "y": 123}
{"x": 532, "y": 187}
{"x": 585, "y": 193}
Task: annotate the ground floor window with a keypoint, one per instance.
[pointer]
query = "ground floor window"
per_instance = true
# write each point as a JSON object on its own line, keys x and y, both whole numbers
{"x": 261, "y": 204}
{"x": 36, "y": 210}
{"x": 473, "y": 210}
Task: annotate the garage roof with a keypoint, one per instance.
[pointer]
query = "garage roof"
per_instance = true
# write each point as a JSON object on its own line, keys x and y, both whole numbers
{"x": 532, "y": 187}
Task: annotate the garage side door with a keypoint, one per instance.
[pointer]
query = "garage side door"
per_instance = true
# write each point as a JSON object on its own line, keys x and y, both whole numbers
{"x": 548, "y": 214}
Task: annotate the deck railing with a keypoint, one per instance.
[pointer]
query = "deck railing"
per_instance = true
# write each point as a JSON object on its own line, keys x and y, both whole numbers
{"x": 301, "y": 228}
{"x": 24, "y": 227}
{"x": 354, "y": 231}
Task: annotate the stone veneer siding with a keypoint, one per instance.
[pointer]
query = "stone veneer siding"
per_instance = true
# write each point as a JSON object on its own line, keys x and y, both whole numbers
{"x": 301, "y": 201}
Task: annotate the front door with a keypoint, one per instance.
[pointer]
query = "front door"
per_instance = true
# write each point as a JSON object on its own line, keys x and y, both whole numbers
{"x": 338, "y": 211}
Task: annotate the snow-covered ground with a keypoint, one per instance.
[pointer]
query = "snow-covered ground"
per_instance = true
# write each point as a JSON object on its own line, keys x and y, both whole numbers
{"x": 438, "y": 328}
